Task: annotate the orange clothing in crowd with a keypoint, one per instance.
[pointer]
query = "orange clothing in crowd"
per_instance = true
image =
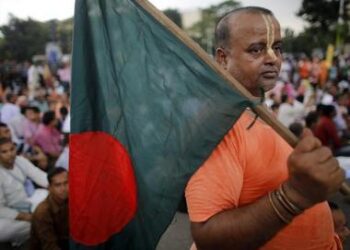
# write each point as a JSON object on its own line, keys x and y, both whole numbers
{"x": 304, "y": 69}
{"x": 246, "y": 165}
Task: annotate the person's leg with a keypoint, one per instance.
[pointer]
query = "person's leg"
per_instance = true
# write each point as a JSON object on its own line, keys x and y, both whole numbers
{"x": 14, "y": 231}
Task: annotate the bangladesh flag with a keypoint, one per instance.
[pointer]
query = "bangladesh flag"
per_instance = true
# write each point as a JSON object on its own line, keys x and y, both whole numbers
{"x": 146, "y": 112}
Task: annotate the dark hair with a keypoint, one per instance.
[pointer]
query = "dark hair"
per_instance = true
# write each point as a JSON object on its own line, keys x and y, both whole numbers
{"x": 64, "y": 111}
{"x": 35, "y": 109}
{"x": 55, "y": 171}
{"x": 9, "y": 97}
{"x": 48, "y": 117}
{"x": 275, "y": 105}
{"x": 333, "y": 205}
{"x": 296, "y": 128}
{"x": 311, "y": 118}
{"x": 4, "y": 125}
{"x": 327, "y": 110}
{"x": 24, "y": 109}
{"x": 284, "y": 98}
{"x": 4, "y": 140}
{"x": 222, "y": 29}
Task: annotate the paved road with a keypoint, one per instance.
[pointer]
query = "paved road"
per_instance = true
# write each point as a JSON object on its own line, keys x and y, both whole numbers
{"x": 177, "y": 236}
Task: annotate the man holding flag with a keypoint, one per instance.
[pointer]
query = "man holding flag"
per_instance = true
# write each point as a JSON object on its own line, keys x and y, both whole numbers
{"x": 255, "y": 191}
{"x": 149, "y": 107}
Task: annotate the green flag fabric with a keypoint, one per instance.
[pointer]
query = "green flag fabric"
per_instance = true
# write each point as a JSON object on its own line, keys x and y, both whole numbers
{"x": 146, "y": 113}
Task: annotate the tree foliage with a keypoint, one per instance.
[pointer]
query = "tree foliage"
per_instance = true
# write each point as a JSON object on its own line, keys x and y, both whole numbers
{"x": 323, "y": 27}
{"x": 22, "y": 39}
{"x": 307, "y": 41}
{"x": 174, "y": 15}
{"x": 203, "y": 31}
{"x": 323, "y": 14}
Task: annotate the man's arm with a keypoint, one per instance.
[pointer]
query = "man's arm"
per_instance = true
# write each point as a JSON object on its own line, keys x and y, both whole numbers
{"x": 245, "y": 228}
{"x": 24, "y": 217}
{"x": 314, "y": 175}
{"x": 5, "y": 211}
{"x": 33, "y": 172}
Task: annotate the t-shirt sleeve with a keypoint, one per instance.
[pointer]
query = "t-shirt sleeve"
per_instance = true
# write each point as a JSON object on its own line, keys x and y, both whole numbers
{"x": 217, "y": 184}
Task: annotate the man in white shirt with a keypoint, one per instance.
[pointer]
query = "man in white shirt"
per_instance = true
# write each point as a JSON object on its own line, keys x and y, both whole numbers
{"x": 9, "y": 109}
{"x": 18, "y": 199}
{"x": 290, "y": 111}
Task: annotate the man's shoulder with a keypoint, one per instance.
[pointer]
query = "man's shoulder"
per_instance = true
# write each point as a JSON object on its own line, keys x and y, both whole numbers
{"x": 42, "y": 210}
{"x": 248, "y": 123}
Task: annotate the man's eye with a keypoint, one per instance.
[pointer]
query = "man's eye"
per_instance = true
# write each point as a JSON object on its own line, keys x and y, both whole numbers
{"x": 277, "y": 48}
{"x": 256, "y": 51}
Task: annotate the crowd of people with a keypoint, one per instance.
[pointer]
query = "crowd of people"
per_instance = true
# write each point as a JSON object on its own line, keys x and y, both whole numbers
{"x": 312, "y": 94}
{"x": 34, "y": 151}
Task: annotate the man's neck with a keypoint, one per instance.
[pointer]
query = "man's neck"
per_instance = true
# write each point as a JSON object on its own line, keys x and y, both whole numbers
{"x": 57, "y": 200}
{"x": 6, "y": 166}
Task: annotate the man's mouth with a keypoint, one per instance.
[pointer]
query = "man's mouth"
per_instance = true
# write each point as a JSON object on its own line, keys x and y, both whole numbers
{"x": 270, "y": 74}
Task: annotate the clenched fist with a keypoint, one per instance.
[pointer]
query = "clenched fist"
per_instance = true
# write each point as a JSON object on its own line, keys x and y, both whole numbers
{"x": 314, "y": 174}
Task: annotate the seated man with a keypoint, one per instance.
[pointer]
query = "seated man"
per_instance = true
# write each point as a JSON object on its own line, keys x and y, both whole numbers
{"x": 18, "y": 198}
{"x": 50, "y": 219}
{"x": 48, "y": 138}
{"x": 5, "y": 131}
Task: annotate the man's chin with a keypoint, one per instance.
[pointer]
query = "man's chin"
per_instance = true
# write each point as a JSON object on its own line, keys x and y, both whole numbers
{"x": 268, "y": 84}
{"x": 9, "y": 165}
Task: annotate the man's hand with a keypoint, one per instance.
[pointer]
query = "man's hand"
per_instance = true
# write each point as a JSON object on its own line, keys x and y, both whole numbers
{"x": 314, "y": 174}
{"x": 24, "y": 217}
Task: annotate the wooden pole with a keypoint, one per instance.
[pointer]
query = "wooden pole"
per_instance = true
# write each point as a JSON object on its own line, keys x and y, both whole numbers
{"x": 262, "y": 111}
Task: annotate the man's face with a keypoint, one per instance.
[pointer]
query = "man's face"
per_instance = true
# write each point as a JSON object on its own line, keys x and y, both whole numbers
{"x": 59, "y": 187}
{"x": 32, "y": 116}
{"x": 7, "y": 154}
{"x": 5, "y": 132}
{"x": 248, "y": 58}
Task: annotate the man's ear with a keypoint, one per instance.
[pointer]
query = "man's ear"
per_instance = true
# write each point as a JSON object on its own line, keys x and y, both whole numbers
{"x": 221, "y": 57}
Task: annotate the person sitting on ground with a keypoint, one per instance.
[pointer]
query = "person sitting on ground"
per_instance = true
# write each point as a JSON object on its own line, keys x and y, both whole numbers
{"x": 50, "y": 220}
{"x": 31, "y": 124}
{"x": 48, "y": 138}
{"x": 38, "y": 158}
{"x": 63, "y": 159}
{"x": 9, "y": 109}
{"x": 327, "y": 132}
{"x": 18, "y": 198}
{"x": 5, "y": 131}
{"x": 16, "y": 123}
{"x": 290, "y": 110}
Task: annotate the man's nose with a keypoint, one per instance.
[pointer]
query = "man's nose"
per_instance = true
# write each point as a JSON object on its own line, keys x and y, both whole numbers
{"x": 270, "y": 56}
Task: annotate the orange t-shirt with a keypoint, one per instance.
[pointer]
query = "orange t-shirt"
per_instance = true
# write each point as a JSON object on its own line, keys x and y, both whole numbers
{"x": 246, "y": 165}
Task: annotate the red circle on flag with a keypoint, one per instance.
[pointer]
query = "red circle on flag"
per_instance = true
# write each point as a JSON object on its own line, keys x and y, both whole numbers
{"x": 102, "y": 187}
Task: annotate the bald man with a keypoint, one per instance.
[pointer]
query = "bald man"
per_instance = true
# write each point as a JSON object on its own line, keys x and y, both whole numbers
{"x": 255, "y": 191}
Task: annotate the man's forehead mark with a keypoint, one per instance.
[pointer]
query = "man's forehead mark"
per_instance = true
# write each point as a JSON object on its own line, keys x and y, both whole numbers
{"x": 270, "y": 35}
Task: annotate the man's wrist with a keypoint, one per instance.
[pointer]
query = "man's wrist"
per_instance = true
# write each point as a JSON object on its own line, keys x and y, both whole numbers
{"x": 295, "y": 196}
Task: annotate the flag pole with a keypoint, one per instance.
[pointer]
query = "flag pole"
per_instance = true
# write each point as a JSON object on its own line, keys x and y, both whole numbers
{"x": 261, "y": 110}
